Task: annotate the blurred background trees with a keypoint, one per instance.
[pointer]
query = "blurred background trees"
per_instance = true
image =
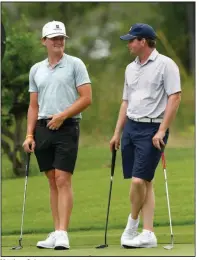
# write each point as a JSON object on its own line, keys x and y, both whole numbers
{"x": 94, "y": 29}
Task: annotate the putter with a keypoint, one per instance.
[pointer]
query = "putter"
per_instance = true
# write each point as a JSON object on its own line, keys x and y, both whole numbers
{"x": 25, "y": 188}
{"x": 168, "y": 247}
{"x": 109, "y": 199}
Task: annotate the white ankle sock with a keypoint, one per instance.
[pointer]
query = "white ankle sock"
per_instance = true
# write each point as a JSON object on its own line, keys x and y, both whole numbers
{"x": 132, "y": 222}
{"x": 147, "y": 231}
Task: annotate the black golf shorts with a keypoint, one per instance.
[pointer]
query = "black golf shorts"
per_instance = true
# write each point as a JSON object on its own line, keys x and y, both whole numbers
{"x": 57, "y": 149}
{"x": 139, "y": 156}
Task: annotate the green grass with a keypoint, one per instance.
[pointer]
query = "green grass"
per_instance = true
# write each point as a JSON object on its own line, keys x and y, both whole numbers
{"x": 179, "y": 250}
{"x": 84, "y": 243}
{"x": 91, "y": 183}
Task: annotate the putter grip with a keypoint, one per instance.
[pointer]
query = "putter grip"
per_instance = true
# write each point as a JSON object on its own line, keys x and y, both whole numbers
{"x": 163, "y": 161}
{"x": 113, "y": 162}
{"x": 28, "y": 164}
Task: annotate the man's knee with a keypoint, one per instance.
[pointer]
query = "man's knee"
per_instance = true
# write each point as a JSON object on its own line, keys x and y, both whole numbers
{"x": 51, "y": 179}
{"x": 137, "y": 182}
{"x": 63, "y": 179}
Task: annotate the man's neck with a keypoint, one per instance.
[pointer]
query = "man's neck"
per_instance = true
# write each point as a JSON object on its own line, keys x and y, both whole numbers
{"x": 53, "y": 59}
{"x": 145, "y": 55}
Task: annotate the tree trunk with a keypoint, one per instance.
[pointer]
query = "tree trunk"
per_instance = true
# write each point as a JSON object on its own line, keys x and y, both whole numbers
{"x": 191, "y": 27}
{"x": 18, "y": 159}
{"x": 16, "y": 164}
{"x": 16, "y": 154}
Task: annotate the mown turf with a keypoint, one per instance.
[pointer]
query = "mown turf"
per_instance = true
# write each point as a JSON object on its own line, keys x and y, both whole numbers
{"x": 84, "y": 243}
{"x": 91, "y": 186}
{"x": 91, "y": 183}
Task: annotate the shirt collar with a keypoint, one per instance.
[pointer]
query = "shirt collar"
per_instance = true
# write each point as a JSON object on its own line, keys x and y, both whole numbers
{"x": 60, "y": 64}
{"x": 152, "y": 57}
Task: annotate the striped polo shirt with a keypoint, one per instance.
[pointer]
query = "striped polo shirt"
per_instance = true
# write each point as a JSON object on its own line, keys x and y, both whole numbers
{"x": 148, "y": 85}
{"x": 57, "y": 87}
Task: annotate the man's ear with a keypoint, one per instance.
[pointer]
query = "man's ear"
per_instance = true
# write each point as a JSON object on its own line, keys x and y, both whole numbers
{"x": 143, "y": 41}
{"x": 43, "y": 41}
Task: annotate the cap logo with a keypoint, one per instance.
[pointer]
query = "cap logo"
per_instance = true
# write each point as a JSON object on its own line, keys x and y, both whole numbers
{"x": 57, "y": 28}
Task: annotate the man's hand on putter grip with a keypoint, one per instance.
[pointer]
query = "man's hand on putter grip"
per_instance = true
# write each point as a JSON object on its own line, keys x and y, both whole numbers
{"x": 56, "y": 121}
{"x": 115, "y": 142}
{"x": 29, "y": 145}
{"x": 158, "y": 139}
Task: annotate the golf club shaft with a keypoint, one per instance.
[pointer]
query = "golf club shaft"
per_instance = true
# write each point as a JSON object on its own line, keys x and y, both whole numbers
{"x": 25, "y": 188}
{"x": 110, "y": 191}
{"x": 168, "y": 203}
{"x": 167, "y": 194}
{"x": 107, "y": 216}
{"x": 23, "y": 210}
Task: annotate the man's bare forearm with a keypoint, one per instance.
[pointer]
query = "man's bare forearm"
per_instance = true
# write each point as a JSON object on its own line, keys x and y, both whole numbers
{"x": 77, "y": 107}
{"x": 31, "y": 120}
{"x": 170, "y": 111}
{"x": 121, "y": 118}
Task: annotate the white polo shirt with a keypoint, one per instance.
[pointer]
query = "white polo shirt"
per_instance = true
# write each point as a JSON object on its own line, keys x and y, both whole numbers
{"x": 148, "y": 85}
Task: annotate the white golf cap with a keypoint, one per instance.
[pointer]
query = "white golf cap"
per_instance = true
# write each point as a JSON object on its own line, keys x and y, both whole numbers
{"x": 53, "y": 29}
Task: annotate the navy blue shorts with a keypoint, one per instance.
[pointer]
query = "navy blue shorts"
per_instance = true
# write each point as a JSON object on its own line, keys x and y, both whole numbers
{"x": 139, "y": 156}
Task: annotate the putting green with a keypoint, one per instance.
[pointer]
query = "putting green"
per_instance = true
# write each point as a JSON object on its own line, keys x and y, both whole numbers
{"x": 112, "y": 250}
{"x": 84, "y": 243}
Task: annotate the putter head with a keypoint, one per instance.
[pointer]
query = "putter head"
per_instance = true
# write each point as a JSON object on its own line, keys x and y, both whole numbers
{"x": 101, "y": 246}
{"x": 17, "y": 247}
{"x": 168, "y": 247}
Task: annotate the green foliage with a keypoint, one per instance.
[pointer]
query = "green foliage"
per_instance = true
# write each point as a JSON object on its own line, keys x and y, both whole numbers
{"x": 22, "y": 51}
{"x": 94, "y": 29}
{"x": 185, "y": 120}
{"x": 174, "y": 23}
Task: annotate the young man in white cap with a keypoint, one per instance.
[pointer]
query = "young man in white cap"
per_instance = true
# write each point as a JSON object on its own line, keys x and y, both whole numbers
{"x": 60, "y": 90}
{"x": 151, "y": 98}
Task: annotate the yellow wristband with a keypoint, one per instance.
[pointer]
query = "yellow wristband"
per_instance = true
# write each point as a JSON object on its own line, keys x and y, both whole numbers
{"x": 29, "y": 136}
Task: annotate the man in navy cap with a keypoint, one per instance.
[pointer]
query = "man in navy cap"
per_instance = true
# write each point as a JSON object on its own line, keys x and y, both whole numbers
{"x": 151, "y": 97}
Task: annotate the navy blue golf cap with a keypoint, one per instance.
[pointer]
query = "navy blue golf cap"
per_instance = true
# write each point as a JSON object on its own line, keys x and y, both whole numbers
{"x": 139, "y": 30}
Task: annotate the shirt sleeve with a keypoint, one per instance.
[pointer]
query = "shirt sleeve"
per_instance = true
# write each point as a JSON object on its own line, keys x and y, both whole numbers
{"x": 32, "y": 83}
{"x": 171, "y": 78}
{"x": 81, "y": 74}
{"x": 125, "y": 96}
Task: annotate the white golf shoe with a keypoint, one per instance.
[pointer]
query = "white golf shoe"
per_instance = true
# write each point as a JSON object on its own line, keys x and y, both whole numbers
{"x": 49, "y": 242}
{"x": 145, "y": 239}
{"x": 130, "y": 232}
{"x": 62, "y": 241}
{"x": 127, "y": 236}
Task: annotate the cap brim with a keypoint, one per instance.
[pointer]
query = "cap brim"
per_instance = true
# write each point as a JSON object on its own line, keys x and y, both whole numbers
{"x": 127, "y": 37}
{"x": 55, "y": 35}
